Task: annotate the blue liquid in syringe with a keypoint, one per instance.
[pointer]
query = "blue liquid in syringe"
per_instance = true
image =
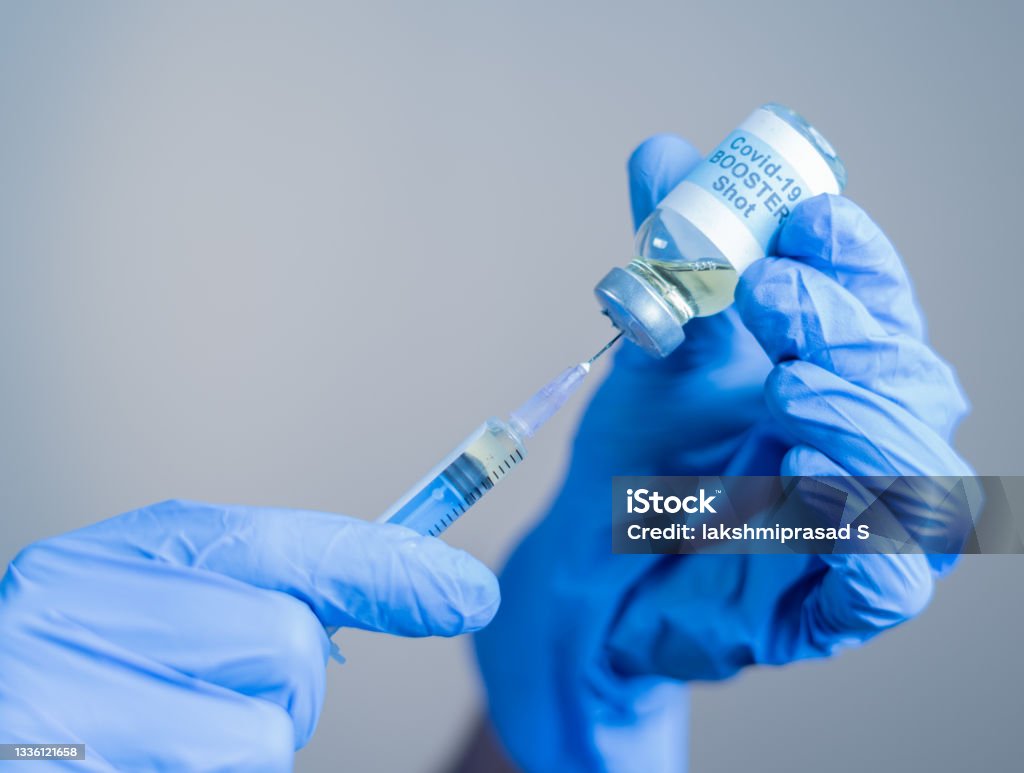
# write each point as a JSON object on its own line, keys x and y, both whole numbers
{"x": 459, "y": 482}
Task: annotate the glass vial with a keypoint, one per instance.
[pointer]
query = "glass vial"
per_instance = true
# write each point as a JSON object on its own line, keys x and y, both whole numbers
{"x": 722, "y": 217}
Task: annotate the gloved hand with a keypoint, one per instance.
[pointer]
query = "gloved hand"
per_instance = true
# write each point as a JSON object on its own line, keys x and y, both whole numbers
{"x": 191, "y": 637}
{"x": 854, "y": 390}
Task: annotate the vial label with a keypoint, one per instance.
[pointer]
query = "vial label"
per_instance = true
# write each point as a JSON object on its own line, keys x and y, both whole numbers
{"x": 751, "y": 179}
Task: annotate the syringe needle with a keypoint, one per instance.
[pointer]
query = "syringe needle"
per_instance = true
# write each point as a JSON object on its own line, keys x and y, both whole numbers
{"x": 605, "y": 348}
{"x": 529, "y": 416}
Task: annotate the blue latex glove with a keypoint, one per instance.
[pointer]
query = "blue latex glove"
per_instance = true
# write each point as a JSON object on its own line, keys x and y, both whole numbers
{"x": 191, "y": 637}
{"x": 576, "y": 662}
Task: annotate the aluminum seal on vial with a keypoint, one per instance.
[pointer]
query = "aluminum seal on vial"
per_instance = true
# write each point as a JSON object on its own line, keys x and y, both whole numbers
{"x": 637, "y": 309}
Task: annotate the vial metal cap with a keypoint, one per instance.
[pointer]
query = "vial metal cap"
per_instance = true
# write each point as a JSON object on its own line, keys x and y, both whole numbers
{"x": 640, "y": 312}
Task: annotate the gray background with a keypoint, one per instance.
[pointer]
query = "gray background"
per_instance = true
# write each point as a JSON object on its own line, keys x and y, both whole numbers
{"x": 270, "y": 253}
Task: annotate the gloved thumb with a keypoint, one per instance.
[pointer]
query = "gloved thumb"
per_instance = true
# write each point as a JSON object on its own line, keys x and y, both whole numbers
{"x": 351, "y": 573}
{"x": 657, "y": 166}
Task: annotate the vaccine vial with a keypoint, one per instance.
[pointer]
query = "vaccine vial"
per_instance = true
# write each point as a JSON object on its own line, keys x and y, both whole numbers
{"x": 722, "y": 217}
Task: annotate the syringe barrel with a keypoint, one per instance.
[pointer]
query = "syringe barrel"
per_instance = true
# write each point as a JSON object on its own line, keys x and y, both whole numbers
{"x": 460, "y": 480}
{"x": 481, "y": 460}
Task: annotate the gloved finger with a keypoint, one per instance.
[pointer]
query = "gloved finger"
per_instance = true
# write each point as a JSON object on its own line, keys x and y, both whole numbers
{"x": 351, "y": 573}
{"x": 797, "y": 312}
{"x": 837, "y": 237}
{"x": 204, "y": 625}
{"x": 904, "y": 514}
{"x": 861, "y": 595}
{"x": 864, "y": 432}
{"x": 657, "y": 166}
{"x": 177, "y": 722}
{"x": 794, "y": 607}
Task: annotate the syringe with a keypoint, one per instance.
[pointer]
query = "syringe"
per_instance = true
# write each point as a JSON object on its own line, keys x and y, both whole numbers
{"x": 484, "y": 458}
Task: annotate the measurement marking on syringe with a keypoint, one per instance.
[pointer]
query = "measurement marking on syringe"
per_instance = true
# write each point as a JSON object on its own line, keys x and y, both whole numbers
{"x": 468, "y": 472}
